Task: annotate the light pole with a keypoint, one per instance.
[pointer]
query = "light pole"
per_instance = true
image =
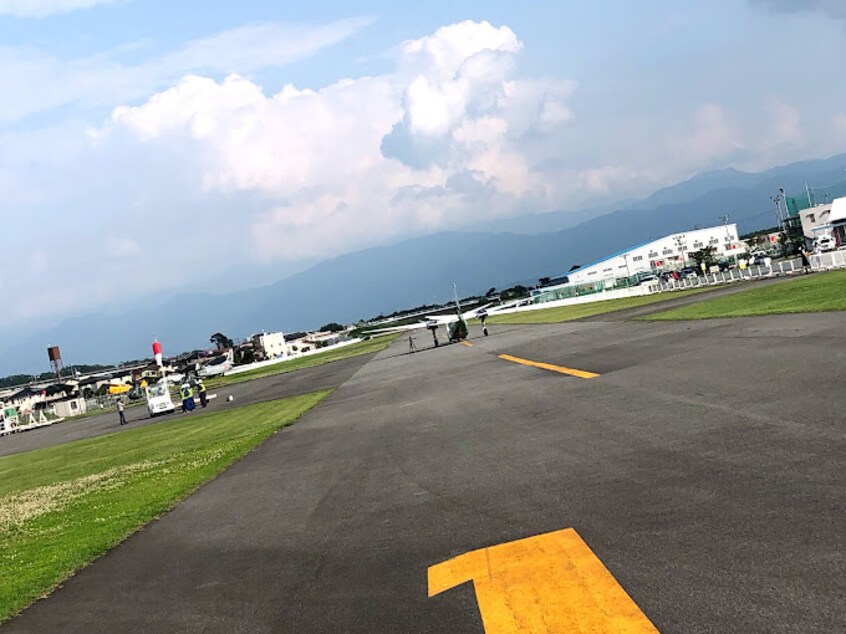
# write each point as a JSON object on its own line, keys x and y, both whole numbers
{"x": 729, "y": 242}
{"x": 680, "y": 245}
{"x": 628, "y": 272}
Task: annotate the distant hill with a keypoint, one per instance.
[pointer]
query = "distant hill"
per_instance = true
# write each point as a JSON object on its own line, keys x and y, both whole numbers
{"x": 418, "y": 271}
{"x": 819, "y": 173}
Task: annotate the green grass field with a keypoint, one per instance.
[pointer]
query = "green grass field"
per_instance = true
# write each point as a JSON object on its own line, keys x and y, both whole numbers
{"x": 376, "y": 344}
{"x": 63, "y": 506}
{"x": 819, "y": 292}
{"x": 568, "y": 313}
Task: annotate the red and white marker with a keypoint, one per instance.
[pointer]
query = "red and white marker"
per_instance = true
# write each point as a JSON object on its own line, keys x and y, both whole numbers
{"x": 157, "y": 352}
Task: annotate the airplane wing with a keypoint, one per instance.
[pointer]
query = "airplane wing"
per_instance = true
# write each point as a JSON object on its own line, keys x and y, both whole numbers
{"x": 441, "y": 320}
{"x": 407, "y": 328}
{"x": 512, "y": 304}
{"x": 472, "y": 314}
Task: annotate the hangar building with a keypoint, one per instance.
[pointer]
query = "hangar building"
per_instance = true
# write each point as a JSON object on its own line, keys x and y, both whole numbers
{"x": 665, "y": 254}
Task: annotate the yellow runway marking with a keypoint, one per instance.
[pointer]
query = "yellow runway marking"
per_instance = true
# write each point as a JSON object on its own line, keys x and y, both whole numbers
{"x": 542, "y": 584}
{"x": 582, "y": 374}
{"x": 467, "y": 343}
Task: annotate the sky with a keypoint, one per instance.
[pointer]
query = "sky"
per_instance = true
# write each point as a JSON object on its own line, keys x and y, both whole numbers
{"x": 150, "y": 146}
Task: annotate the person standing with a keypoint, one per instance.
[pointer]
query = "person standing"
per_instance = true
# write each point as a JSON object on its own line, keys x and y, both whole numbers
{"x": 121, "y": 413}
{"x": 806, "y": 264}
{"x": 201, "y": 389}
{"x": 187, "y": 395}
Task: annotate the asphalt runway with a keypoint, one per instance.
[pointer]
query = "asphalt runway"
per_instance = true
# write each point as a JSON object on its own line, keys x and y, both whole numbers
{"x": 703, "y": 467}
{"x": 321, "y": 377}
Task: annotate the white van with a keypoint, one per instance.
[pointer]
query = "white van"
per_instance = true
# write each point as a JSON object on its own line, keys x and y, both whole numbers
{"x": 825, "y": 243}
{"x": 158, "y": 400}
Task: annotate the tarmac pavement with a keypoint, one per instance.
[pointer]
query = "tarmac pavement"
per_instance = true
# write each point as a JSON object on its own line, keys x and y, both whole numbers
{"x": 703, "y": 467}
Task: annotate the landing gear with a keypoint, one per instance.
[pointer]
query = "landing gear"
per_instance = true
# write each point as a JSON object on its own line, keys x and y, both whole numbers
{"x": 434, "y": 330}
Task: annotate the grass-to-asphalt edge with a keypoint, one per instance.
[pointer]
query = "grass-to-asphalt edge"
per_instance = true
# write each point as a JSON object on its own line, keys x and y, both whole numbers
{"x": 373, "y": 345}
{"x": 588, "y": 310}
{"x": 818, "y": 292}
{"x": 169, "y": 507}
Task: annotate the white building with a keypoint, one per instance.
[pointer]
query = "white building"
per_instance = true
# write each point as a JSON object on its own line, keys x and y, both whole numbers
{"x": 665, "y": 254}
{"x": 825, "y": 220}
{"x": 270, "y": 344}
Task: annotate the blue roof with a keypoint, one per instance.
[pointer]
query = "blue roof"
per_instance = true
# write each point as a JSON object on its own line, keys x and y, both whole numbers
{"x": 611, "y": 257}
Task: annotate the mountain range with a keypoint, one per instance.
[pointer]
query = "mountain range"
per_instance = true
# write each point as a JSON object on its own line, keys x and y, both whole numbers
{"x": 422, "y": 270}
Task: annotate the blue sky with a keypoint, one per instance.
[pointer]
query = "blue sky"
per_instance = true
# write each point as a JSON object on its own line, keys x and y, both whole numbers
{"x": 148, "y": 146}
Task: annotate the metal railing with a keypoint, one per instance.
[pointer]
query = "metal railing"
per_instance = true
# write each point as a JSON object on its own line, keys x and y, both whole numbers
{"x": 823, "y": 262}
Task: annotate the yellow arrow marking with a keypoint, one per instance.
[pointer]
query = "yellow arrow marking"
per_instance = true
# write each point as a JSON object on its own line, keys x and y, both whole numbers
{"x": 543, "y": 584}
{"x": 582, "y": 374}
{"x": 467, "y": 343}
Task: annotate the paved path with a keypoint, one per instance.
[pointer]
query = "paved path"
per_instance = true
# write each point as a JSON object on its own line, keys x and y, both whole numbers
{"x": 704, "y": 468}
{"x": 303, "y": 381}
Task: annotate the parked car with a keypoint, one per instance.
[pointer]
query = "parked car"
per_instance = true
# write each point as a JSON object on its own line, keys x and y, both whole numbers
{"x": 648, "y": 279}
{"x": 825, "y": 243}
{"x": 688, "y": 272}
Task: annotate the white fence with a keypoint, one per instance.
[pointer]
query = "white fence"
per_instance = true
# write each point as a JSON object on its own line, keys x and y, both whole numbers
{"x": 823, "y": 262}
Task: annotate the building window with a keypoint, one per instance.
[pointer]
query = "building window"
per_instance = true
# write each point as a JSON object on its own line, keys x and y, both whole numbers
{"x": 637, "y": 258}
{"x": 667, "y": 251}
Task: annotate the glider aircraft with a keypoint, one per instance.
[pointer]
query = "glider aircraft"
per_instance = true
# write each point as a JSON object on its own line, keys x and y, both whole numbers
{"x": 455, "y": 325}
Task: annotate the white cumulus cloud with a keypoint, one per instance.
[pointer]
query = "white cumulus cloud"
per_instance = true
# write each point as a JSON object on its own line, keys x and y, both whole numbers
{"x": 435, "y": 141}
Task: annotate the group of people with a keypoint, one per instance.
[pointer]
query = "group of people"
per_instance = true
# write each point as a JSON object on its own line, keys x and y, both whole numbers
{"x": 186, "y": 393}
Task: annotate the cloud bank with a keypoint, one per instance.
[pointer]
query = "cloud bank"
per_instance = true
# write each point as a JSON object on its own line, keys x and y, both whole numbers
{"x": 182, "y": 166}
{"x": 443, "y": 134}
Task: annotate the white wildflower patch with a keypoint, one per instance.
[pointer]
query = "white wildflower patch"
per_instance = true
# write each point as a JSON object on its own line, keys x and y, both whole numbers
{"x": 23, "y": 506}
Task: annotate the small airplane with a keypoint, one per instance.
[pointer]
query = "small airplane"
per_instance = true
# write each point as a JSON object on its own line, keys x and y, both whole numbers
{"x": 456, "y": 325}
{"x": 217, "y": 366}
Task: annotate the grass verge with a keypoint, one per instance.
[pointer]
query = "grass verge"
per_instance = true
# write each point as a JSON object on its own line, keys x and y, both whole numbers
{"x": 376, "y": 344}
{"x": 559, "y": 314}
{"x": 61, "y": 507}
{"x": 815, "y": 293}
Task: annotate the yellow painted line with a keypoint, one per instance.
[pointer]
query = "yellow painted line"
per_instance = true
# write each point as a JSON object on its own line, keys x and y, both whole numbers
{"x": 467, "y": 343}
{"x": 582, "y": 374}
{"x": 547, "y": 583}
